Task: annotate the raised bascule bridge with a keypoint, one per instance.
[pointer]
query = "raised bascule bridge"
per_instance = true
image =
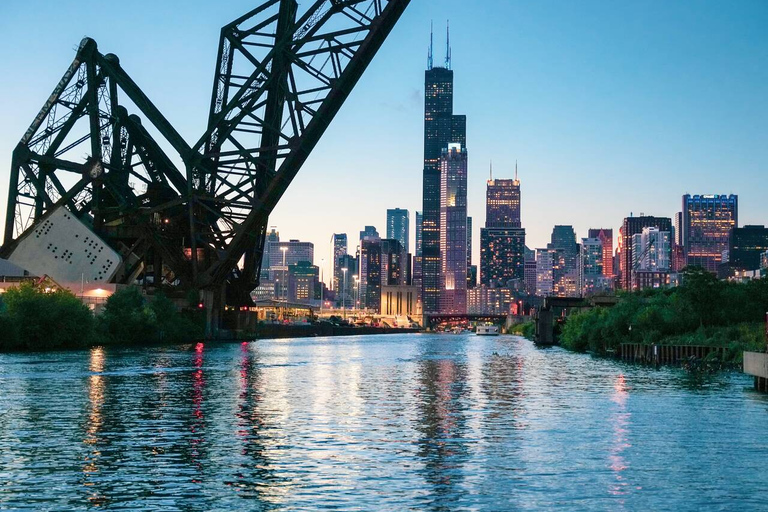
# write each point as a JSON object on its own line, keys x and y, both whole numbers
{"x": 94, "y": 195}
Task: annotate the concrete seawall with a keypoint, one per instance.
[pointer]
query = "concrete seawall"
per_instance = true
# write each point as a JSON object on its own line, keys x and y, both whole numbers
{"x": 756, "y": 364}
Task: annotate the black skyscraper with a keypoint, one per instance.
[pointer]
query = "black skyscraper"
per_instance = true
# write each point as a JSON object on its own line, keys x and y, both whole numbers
{"x": 441, "y": 127}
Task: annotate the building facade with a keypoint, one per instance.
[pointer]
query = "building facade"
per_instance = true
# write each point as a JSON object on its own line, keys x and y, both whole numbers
{"x": 747, "y": 245}
{"x": 502, "y": 203}
{"x": 398, "y": 227}
{"x": 606, "y": 240}
{"x": 441, "y": 127}
{"x": 631, "y": 227}
{"x": 707, "y": 224}
{"x": 453, "y": 230}
{"x": 340, "y": 248}
{"x": 502, "y": 256}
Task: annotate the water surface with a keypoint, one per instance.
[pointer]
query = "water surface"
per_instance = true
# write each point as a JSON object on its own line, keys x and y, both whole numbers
{"x": 404, "y": 422}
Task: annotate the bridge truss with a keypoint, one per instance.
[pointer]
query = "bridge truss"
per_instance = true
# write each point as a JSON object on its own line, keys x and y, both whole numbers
{"x": 98, "y": 146}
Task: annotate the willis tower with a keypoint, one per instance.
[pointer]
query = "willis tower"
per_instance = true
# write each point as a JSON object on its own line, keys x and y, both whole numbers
{"x": 441, "y": 128}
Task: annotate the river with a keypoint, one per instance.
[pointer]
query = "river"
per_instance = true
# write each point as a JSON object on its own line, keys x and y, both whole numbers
{"x": 401, "y": 422}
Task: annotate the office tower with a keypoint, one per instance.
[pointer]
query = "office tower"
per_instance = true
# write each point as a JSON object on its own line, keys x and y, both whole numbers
{"x": 678, "y": 238}
{"x": 530, "y": 272}
{"x": 502, "y": 203}
{"x": 398, "y": 227}
{"x": 303, "y": 283}
{"x": 592, "y": 256}
{"x": 349, "y": 294}
{"x": 549, "y": 265}
{"x": 502, "y": 241}
{"x": 272, "y": 236}
{"x": 284, "y": 254}
{"x": 369, "y": 232}
{"x": 567, "y": 277}
{"x": 419, "y": 223}
{"x": 441, "y": 127}
{"x": 502, "y": 256}
{"x": 469, "y": 241}
{"x": 631, "y": 227}
{"x": 453, "y": 230}
{"x": 606, "y": 240}
{"x": 652, "y": 250}
{"x": 747, "y": 245}
{"x": 707, "y": 224}
{"x": 370, "y": 272}
{"x": 416, "y": 268}
{"x": 340, "y": 248}
{"x": 393, "y": 266}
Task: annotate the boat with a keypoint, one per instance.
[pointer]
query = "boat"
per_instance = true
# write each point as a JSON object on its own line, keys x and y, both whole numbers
{"x": 487, "y": 330}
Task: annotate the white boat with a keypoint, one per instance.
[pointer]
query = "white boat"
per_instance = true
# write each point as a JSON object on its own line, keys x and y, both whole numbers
{"x": 487, "y": 330}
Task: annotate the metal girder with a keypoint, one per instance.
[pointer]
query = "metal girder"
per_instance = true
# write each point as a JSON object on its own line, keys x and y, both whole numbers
{"x": 281, "y": 77}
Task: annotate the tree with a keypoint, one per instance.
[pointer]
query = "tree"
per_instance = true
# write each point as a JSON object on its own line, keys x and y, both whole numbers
{"x": 47, "y": 319}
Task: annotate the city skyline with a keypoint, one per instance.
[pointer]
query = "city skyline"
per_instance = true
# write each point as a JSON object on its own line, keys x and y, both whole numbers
{"x": 711, "y": 130}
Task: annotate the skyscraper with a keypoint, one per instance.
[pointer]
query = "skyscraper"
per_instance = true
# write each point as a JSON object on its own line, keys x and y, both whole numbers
{"x": 441, "y": 127}
{"x": 340, "y": 248}
{"x": 747, "y": 245}
{"x": 416, "y": 270}
{"x": 369, "y": 232}
{"x": 502, "y": 241}
{"x": 502, "y": 256}
{"x": 606, "y": 241}
{"x": 631, "y": 227}
{"x": 398, "y": 227}
{"x": 707, "y": 224}
{"x": 453, "y": 230}
{"x": 502, "y": 203}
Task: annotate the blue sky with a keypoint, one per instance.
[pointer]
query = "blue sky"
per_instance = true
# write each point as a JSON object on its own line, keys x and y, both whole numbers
{"x": 609, "y": 107}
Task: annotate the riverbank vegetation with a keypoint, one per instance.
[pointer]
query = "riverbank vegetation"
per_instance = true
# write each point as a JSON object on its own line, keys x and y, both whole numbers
{"x": 32, "y": 318}
{"x": 702, "y": 311}
{"x": 525, "y": 329}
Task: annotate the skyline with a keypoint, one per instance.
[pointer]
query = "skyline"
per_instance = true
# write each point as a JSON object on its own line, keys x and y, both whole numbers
{"x": 690, "y": 115}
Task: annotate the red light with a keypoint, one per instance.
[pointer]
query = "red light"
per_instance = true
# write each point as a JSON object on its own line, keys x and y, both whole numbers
{"x": 200, "y": 305}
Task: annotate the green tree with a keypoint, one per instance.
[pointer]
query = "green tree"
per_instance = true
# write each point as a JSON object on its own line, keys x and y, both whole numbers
{"x": 47, "y": 320}
{"x": 127, "y": 319}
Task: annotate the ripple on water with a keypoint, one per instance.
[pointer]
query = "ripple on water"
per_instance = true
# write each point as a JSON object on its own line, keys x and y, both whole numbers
{"x": 406, "y": 422}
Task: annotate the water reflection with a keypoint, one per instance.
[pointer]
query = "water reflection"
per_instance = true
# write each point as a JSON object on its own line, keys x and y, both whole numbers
{"x": 373, "y": 423}
{"x": 94, "y": 424}
{"x": 620, "y": 423}
{"x": 441, "y": 423}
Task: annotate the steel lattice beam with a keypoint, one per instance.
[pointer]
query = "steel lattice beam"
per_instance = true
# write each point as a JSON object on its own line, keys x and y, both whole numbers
{"x": 281, "y": 77}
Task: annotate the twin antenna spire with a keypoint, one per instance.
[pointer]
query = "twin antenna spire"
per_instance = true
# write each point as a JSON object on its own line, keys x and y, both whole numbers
{"x": 431, "y": 53}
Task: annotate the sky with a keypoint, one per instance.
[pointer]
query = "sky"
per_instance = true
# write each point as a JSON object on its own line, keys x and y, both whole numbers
{"x": 610, "y": 108}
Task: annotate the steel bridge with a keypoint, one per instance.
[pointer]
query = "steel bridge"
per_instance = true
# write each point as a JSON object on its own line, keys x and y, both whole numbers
{"x": 127, "y": 211}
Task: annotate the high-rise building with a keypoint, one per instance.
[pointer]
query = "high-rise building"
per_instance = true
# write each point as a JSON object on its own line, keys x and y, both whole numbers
{"x": 416, "y": 267}
{"x": 502, "y": 256}
{"x": 652, "y": 250}
{"x": 453, "y": 230}
{"x": 272, "y": 236}
{"x": 441, "y": 127}
{"x": 502, "y": 241}
{"x": 347, "y": 292}
{"x": 567, "y": 278}
{"x": 340, "y": 248}
{"x": 284, "y": 254}
{"x": 369, "y": 232}
{"x": 606, "y": 240}
{"x": 381, "y": 264}
{"x": 303, "y": 283}
{"x": 748, "y": 243}
{"x": 398, "y": 227}
{"x": 502, "y": 203}
{"x": 548, "y": 263}
{"x": 678, "y": 239}
{"x": 632, "y": 226}
{"x": 707, "y": 224}
{"x": 530, "y": 272}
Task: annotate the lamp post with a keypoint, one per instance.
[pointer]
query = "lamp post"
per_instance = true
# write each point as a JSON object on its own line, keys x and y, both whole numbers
{"x": 343, "y": 293}
{"x": 284, "y": 287}
{"x": 322, "y": 291}
{"x": 356, "y": 293}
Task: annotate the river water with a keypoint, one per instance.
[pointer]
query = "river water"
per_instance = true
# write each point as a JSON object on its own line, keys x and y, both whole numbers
{"x": 402, "y": 422}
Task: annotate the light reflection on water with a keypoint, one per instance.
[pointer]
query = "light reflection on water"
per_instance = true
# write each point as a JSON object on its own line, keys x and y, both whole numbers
{"x": 374, "y": 423}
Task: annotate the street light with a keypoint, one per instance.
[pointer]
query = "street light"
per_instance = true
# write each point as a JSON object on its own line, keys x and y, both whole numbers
{"x": 343, "y": 293}
{"x": 284, "y": 291}
{"x": 322, "y": 291}
{"x": 357, "y": 293}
